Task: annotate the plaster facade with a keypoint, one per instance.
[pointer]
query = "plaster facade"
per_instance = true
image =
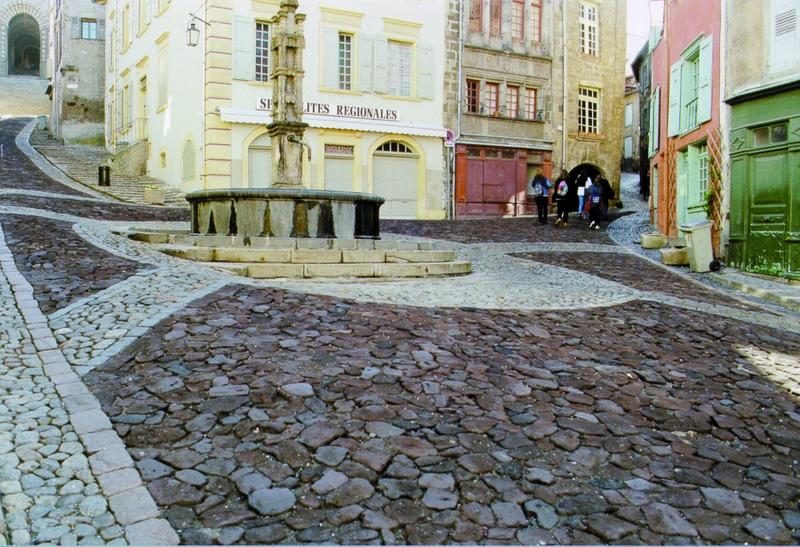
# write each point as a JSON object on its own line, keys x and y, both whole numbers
{"x": 26, "y": 23}
{"x": 78, "y": 80}
{"x": 208, "y": 130}
{"x": 631, "y": 127}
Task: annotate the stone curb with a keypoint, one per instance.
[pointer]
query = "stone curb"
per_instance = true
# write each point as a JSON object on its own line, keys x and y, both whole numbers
{"x": 131, "y": 503}
{"x": 38, "y": 194}
{"x": 785, "y": 301}
{"x": 23, "y": 142}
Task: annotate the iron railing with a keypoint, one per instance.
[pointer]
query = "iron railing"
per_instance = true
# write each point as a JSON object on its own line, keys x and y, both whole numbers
{"x": 129, "y": 133}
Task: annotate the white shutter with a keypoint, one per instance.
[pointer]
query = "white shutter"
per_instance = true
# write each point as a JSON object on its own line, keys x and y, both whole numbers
{"x": 380, "y": 75}
{"x": 135, "y": 19}
{"x": 101, "y": 29}
{"x": 674, "y": 126}
{"x": 365, "y": 63}
{"x": 425, "y": 72}
{"x": 76, "y": 28}
{"x": 784, "y": 21}
{"x": 330, "y": 58}
{"x": 706, "y": 78}
{"x": 244, "y": 43}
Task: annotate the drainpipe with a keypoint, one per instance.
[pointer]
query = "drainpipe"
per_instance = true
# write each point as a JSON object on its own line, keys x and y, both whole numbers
{"x": 458, "y": 107}
{"x": 564, "y": 84}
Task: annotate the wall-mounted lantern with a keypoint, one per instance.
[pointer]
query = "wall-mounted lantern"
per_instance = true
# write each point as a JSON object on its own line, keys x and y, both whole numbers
{"x": 192, "y": 32}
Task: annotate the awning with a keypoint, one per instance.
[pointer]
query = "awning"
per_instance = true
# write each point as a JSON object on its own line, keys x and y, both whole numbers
{"x": 262, "y": 117}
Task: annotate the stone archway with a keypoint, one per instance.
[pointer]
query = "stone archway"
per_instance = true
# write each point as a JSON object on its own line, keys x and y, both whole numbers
{"x": 591, "y": 171}
{"x": 23, "y": 38}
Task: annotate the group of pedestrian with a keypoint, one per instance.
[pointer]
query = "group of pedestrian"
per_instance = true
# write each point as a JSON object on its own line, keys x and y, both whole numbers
{"x": 589, "y": 198}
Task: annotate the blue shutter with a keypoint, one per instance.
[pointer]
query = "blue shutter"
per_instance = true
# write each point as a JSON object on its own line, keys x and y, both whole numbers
{"x": 674, "y": 124}
{"x": 706, "y": 78}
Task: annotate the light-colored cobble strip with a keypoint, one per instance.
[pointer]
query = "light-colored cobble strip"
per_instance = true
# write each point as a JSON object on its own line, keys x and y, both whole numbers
{"x": 96, "y": 328}
{"x": 39, "y": 194}
{"x": 65, "y": 475}
{"x": 23, "y": 143}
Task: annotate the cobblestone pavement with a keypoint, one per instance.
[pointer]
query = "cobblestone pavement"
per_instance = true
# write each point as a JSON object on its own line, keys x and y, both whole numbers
{"x": 535, "y": 400}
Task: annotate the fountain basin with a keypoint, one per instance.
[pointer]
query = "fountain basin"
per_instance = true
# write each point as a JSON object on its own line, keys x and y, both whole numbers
{"x": 285, "y": 212}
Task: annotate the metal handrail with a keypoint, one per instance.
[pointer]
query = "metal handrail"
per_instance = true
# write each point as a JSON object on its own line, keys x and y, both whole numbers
{"x": 130, "y": 133}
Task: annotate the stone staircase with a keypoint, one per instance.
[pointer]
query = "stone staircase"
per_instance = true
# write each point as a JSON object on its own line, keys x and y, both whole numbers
{"x": 80, "y": 162}
{"x": 23, "y": 96}
{"x": 306, "y": 258}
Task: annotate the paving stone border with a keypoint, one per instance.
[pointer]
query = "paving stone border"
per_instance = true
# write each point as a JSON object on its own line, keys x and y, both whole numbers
{"x": 108, "y": 462}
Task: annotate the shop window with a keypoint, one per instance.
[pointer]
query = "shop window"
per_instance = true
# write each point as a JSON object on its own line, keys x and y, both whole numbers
{"x": 262, "y": 51}
{"x": 395, "y": 147}
{"x": 473, "y": 96}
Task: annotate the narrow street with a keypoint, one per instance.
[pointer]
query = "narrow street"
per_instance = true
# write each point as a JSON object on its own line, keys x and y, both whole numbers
{"x": 568, "y": 391}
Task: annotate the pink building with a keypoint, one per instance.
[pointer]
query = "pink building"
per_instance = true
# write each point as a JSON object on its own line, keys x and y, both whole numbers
{"x": 685, "y": 112}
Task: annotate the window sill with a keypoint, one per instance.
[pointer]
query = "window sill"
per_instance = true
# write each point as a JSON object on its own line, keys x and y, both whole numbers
{"x": 504, "y": 118}
{"x": 590, "y": 137}
{"x": 340, "y": 91}
{"x": 404, "y": 98}
{"x": 259, "y": 83}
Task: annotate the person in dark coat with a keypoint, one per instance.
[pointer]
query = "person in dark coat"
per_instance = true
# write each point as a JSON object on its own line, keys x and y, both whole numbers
{"x": 607, "y": 194}
{"x": 561, "y": 195}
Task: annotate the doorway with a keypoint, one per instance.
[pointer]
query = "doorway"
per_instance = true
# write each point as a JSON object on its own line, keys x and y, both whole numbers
{"x": 24, "y": 43}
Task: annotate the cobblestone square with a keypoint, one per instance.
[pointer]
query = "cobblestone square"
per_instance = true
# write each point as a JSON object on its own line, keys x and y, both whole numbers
{"x": 567, "y": 391}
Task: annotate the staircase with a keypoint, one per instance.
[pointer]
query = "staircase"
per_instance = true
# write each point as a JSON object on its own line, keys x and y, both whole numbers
{"x": 80, "y": 162}
{"x": 23, "y": 96}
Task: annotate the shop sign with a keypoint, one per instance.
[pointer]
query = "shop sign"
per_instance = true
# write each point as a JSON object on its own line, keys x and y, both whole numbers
{"x": 339, "y": 110}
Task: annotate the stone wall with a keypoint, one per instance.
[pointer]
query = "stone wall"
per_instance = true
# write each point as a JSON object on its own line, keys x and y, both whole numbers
{"x": 130, "y": 160}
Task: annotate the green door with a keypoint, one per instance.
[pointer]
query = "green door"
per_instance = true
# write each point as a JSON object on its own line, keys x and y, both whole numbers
{"x": 768, "y": 189}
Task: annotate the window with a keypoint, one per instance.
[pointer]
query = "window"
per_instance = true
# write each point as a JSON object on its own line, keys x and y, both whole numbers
{"x": 628, "y": 147}
{"x": 628, "y": 114}
{"x": 345, "y": 61}
{"x": 495, "y": 17}
{"x": 588, "y": 29}
{"x": 702, "y": 171}
{"x": 126, "y": 26}
{"x": 492, "y": 93}
{"x": 776, "y": 134}
{"x": 518, "y": 20}
{"x": 262, "y": 51}
{"x": 88, "y": 29}
{"x": 536, "y": 20}
{"x": 476, "y": 16}
{"x": 690, "y": 88}
{"x": 399, "y": 59}
{"x": 512, "y": 101}
{"x": 530, "y": 104}
{"x": 588, "y": 110}
{"x": 395, "y": 147}
{"x": 144, "y": 16}
{"x": 473, "y": 96}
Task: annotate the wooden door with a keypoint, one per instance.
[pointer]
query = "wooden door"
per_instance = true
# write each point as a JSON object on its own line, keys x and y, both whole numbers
{"x": 767, "y": 220}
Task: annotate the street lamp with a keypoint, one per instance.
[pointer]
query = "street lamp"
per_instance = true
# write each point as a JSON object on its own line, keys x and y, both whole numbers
{"x": 192, "y": 32}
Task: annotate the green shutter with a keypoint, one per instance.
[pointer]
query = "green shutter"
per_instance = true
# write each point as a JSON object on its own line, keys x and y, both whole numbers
{"x": 244, "y": 43}
{"x": 706, "y": 80}
{"x": 365, "y": 63}
{"x": 380, "y": 76}
{"x": 682, "y": 187}
{"x": 425, "y": 72}
{"x": 656, "y": 108}
{"x": 330, "y": 68}
{"x": 651, "y": 126}
{"x": 674, "y": 126}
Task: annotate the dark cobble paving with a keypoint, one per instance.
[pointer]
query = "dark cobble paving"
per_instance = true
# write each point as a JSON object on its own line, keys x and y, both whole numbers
{"x": 17, "y": 171}
{"x": 59, "y": 264}
{"x": 99, "y": 210}
{"x": 635, "y": 272}
{"x": 498, "y": 230}
{"x": 266, "y": 416}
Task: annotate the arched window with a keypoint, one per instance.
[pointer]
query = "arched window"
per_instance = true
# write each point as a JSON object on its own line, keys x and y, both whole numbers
{"x": 189, "y": 167}
{"x": 395, "y": 147}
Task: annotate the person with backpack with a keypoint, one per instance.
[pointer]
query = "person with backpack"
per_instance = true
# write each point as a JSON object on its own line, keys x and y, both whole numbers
{"x": 608, "y": 195}
{"x": 540, "y": 184}
{"x": 562, "y": 198}
{"x": 584, "y": 181}
{"x": 594, "y": 199}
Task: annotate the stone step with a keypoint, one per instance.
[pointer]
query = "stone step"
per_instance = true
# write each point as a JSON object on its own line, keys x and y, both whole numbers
{"x": 238, "y": 255}
{"x": 352, "y": 270}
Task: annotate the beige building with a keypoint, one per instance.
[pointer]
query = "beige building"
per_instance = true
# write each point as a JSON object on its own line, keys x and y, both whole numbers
{"x": 530, "y": 99}
{"x": 196, "y": 116}
{"x": 78, "y": 78}
{"x": 630, "y": 127}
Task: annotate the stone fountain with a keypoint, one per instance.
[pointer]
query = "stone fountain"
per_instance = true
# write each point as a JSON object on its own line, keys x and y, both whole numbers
{"x": 286, "y": 208}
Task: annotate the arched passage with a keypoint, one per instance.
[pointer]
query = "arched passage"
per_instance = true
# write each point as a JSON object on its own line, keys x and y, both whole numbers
{"x": 591, "y": 171}
{"x": 24, "y": 43}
